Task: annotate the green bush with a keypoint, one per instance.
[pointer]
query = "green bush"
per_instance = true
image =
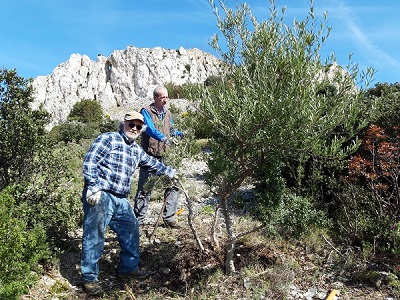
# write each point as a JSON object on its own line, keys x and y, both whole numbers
{"x": 40, "y": 186}
{"x": 109, "y": 125}
{"x": 174, "y": 91}
{"x": 385, "y": 101}
{"x": 23, "y": 245}
{"x": 181, "y": 91}
{"x": 86, "y": 111}
{"x": 296, "y": 216}
{"x": 76, "y": 131}
{"x": 213, "y": 80}
{"x": 22, "y": 132}
{"x": 197, "y": 123}
{"x": 73, "y": 132}
{"x": 84, "y": 121}
{"x": 54, "y": 192}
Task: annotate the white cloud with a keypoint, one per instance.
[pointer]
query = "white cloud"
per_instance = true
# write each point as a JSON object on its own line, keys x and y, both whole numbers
{"x": 370, "y": 51}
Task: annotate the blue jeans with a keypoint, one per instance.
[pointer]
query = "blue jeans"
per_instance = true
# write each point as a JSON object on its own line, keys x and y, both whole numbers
{"x": 142, "y": 199}
{"x": 117, "y": 213}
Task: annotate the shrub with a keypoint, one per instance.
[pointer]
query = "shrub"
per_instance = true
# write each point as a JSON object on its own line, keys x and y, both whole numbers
{"x": 174, "y": 91}
{"x": 184, "y": 91}
{"x": 73, "y": 132}
{"x": 187, "y": 67}
{"x": 109, "y": 125}
{"x": 39, "y": 194}
{"x": 23, "y": 245}
{"x": 54, "y": 192}
{"x": 213, "y": 80}
{"x": 84, "y": 121}
{"x": 86, "y": 111}
{"x": 22, "y": 132}
{"x": 373, "y": 207}
{"x": 385, "y": 101}
{"x": 295, "y": 216}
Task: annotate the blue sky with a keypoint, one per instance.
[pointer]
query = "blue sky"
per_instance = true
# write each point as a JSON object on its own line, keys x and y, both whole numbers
{"x": 38, "y": 35}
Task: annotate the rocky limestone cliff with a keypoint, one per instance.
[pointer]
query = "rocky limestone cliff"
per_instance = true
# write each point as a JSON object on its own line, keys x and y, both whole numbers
{"x": 121, "y": 81}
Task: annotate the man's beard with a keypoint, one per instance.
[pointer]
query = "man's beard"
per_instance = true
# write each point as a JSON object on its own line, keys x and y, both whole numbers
{"x": 132, "y": 136}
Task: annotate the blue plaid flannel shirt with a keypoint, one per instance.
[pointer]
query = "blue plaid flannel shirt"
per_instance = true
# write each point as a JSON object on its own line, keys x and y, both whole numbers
{"x": 111, "y": 161}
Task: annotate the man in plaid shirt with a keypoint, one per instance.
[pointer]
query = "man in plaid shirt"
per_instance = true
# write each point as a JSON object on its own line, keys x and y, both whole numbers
{"x": 108, "y": 169}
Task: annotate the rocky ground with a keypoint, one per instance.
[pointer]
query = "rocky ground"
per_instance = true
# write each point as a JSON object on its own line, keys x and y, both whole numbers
{"x": 265, "y": 268}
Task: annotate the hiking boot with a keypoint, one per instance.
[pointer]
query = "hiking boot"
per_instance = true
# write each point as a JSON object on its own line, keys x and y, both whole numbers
{"x": 172, "y": 224}
{"x": 139, "y": 274}
{"x": 92, "y": 288}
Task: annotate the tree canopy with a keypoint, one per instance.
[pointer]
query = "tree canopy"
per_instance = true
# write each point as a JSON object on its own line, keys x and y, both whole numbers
{"x": 22, "y": 130}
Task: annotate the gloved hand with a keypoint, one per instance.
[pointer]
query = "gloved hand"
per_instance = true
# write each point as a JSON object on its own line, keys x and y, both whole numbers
{"x": 167, "y": 141}
{"x": 176, "y": 178}
{"x": 171, "y": 141}
{"x": 93, "y": 198}
{"x": 174, "y": 140}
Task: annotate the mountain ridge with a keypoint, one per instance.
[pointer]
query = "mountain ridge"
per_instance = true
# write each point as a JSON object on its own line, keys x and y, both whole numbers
{"x": 121, "y": 81}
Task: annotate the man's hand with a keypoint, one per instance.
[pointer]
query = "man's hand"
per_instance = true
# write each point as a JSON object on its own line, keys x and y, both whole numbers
{"x": 91, "y": 198}
{"x": 176, "y": 178}
{"x": 174, "y": 140}
{"x": 170, "y": 141}
{"x": 167, "y": 142}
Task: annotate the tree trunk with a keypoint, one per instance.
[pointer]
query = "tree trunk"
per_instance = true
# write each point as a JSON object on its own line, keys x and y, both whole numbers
{"x": 213, "y": 228}
{"x": 230, "y": 244}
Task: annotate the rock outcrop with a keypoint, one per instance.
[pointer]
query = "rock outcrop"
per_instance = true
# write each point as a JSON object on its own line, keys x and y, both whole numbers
{"x": 121, "y": 80}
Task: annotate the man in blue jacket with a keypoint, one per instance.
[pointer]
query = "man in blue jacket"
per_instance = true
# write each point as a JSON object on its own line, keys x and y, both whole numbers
{"x": 158, "y": 136}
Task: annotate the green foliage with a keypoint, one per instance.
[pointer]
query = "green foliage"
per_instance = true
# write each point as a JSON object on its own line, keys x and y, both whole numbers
{"x": 40, "y": 188}
{"x": 22, "y": 131}
{"x": 174, "y": 91}
{"x": 53, "y": 194}
{"x": 23, "y": 245}
{"x": 208, "y": 210}
{"x": 38, "y": 199}
{"x": 357, "y": 222}
{"x": 279, "y": 117}
{"x": 181, "y": 91}
{"x": 213, "y": 80}
{"x": 86, "y": 111}
{"x": 187, "y": 67}
{"x": 109, "y": 125}
{"x": 194, "y": 119}
{"x": 60, "y": 287}
{"x": 73, "y": 132}
{"x": 295, "y": 216}
{"x": 394, "y": 282}
{"x": 84, "y": 121}
{"x": 272, "y": 112}
{"x": 385, "y": 101}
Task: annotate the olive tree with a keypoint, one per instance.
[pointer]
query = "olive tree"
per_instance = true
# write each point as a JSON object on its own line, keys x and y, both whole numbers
{"x": 268, "y": 113}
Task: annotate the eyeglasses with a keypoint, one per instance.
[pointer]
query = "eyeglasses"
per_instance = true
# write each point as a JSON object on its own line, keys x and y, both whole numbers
{"x": 133, "y": 125}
